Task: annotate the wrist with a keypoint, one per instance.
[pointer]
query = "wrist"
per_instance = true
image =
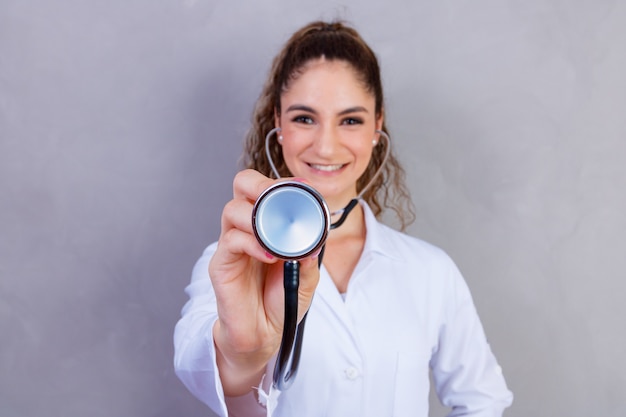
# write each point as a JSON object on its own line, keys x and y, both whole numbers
{"x": 240, "y": 369}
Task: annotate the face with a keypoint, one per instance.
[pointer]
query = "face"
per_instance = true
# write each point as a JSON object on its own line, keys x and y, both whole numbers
{"x": 328, "y": 123}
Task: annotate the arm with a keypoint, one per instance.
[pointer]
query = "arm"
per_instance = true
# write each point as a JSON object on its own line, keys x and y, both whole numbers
{"x": 194, "y": 350}
{"x": 466, "y": 374}
{"x": 232, "y": 325}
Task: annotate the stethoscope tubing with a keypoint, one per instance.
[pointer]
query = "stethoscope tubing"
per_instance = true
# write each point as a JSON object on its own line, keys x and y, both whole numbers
{"x": 290, "y": 350}
{"x": 292, "y": 331}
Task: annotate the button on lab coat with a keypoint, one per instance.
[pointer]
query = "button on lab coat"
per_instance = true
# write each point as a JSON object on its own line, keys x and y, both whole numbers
{"x": 366, "y": 353}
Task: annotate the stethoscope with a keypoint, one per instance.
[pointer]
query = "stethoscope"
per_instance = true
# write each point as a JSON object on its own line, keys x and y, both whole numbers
{"x": 291, "y": 221}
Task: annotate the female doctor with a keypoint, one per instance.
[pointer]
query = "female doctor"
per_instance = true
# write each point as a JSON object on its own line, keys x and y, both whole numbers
{"x": 383, "y": 308}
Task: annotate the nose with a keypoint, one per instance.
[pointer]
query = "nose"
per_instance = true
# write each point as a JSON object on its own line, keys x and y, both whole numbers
{"x": 326, "y": 141}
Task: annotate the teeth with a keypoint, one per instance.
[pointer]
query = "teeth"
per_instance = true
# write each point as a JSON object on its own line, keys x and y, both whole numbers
{"x": 327, "y": 168}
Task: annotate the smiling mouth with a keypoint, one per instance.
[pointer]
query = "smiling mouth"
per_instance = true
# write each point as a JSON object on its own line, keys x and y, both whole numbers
{"x": 327, "y": 168}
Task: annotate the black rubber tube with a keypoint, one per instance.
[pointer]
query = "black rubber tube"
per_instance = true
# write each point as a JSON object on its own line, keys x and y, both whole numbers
{"x": 288, "y": 358}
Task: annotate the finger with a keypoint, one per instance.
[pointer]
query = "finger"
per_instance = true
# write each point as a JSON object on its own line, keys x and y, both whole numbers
{"x": 235, "y": 244}
{"x": 249, "y": 184}
{"x": 309, "y": 275}
{"x": 309, "y": 279}
{"x": 237, "y": 214}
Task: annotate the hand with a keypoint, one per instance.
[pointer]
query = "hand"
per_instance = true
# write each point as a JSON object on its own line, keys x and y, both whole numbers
{"x": 248, "y": 285}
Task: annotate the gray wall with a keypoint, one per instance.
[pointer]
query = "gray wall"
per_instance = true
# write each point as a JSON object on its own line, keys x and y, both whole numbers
{"x": 120, "y": 130}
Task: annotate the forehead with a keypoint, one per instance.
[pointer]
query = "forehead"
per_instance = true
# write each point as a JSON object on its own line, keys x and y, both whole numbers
{"x": 326, "y": 77}
{"x": 329, "y": 64}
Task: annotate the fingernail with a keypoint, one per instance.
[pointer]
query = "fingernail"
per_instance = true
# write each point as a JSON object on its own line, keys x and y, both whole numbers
{"x": 269, "y": 255}
{"x": 300, "y": 179}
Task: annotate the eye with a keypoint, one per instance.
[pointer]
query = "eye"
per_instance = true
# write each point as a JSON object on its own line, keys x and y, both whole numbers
{"x": 303, "y": 119}
{"x": 352, "y": 121}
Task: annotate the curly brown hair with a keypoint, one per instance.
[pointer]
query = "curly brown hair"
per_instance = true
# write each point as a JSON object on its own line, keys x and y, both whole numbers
{"x": 333, "y": 41}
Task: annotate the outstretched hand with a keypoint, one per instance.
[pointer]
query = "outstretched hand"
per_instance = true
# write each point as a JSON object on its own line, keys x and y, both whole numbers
{"x": 248, "y": 284}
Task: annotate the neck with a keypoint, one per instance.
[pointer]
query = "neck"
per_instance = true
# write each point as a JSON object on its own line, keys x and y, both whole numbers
{"x": 344, "y": 247}
{"x": 354, "y": 223}
{"x": 340, "y": 216}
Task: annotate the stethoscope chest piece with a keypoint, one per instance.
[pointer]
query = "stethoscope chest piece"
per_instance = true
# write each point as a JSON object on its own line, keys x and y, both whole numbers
{"x": 291, "y": 220}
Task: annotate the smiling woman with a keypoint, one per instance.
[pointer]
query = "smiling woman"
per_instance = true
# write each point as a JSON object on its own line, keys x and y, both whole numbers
{"x": 332, "y": 42}
{"x": 386, "y": 307}
{"x": 329, "y": 129}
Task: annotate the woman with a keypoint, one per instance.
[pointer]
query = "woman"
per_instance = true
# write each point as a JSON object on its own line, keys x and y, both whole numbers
{"x": 387, "y": 306}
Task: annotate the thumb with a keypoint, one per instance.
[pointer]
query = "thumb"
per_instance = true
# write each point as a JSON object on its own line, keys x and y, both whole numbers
{"x": 309, "y": 279}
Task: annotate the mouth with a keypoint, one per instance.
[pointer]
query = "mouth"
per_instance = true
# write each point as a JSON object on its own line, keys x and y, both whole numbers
{"x": 327, "y": 168}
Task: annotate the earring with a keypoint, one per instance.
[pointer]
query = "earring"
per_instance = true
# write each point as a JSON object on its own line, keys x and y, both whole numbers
{"x": 374, "y": 142}
{"x": 280, "y": 138}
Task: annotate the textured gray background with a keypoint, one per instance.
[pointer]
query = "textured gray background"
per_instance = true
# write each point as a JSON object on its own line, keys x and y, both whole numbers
{"x": 120, "y": 130}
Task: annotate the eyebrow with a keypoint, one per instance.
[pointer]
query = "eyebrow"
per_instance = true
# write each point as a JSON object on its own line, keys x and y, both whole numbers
{"x": 302, "y": 107}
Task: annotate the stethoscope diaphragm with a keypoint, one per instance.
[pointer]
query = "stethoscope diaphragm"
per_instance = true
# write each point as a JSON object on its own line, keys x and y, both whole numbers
{"x": 291, "y": 220}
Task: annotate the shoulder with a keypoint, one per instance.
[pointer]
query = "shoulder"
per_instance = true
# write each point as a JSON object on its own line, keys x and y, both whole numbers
{"x": 399, "y": 245}
{"x": 405, "y": 247}
{"x": 420, "y": 265}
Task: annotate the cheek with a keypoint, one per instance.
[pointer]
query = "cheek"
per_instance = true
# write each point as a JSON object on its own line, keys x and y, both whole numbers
{"x": 287, "y": 152}
{"x": 295, "y": 141}
{"x": 364, "y": 149}
{"x": 290, "y": 153}
{"x": 365, "y": 157}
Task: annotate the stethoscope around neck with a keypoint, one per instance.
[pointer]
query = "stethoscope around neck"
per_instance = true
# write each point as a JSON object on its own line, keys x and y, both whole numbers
{"x": 291, "y": 221}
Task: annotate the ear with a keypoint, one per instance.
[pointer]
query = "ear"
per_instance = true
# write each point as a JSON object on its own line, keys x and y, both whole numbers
{"x": 380, "y": 121}
{"x": 276, "y": 117}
